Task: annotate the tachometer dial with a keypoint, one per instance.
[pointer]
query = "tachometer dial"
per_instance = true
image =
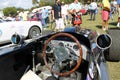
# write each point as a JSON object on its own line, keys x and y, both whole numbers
{"x": 75, "y": 47}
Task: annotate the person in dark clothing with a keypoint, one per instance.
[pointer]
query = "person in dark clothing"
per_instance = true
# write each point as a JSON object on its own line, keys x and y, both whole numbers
{"x": 39, "y": 14}
{"x": 57, "y": 17}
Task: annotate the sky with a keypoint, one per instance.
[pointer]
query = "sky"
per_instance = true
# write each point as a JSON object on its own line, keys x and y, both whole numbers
{"x": 26, "y": 4}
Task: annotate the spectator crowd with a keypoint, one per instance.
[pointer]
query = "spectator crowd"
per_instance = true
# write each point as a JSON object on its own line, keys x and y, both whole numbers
{"x": 45, "y": 16}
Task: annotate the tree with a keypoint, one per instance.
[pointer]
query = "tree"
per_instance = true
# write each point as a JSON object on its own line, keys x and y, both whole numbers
{"x": 35, "y": 2}
{"x": 10, "y": 11}
{"x": 46, "y": 2}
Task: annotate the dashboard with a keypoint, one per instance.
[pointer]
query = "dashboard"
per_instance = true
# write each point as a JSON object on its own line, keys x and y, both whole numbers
{"x": 67, "y": 44}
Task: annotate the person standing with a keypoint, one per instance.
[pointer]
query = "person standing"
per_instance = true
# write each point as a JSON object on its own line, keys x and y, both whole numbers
{"x": 24, "y": 16}
{"x": 56, "y": 15}
{"x": 93, "y": 10}
{"x": 47, "y": 16}
{"x": 115, "y": 5}
{"x": 44, "y": 16}
{"x": 112, "y": 11}
{"x": 74, "y": 8}
{"x": 118, "y": 9}
{"x": 39, "y": 14}
{"x": 118, "y": 24}
{"x": 64, "y": 12}
{"x": 105, "y": 14}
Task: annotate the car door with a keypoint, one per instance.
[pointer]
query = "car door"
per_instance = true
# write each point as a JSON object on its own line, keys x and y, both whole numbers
{"x": 7, "y": 29}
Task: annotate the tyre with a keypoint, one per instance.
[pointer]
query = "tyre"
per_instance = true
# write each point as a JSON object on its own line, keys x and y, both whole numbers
{"x": 34, "y": 32}
{"x": 114, "y": 51}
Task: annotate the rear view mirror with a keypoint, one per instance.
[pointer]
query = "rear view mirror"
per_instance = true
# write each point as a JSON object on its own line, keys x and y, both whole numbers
{"x": 104, "y": 41}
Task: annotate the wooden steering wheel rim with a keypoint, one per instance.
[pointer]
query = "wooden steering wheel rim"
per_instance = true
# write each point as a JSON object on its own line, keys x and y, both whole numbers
{"x": 80, "y": 52}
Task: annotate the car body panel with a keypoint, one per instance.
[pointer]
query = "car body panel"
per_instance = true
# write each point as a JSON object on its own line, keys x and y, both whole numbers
{"x": 7, "y": 29}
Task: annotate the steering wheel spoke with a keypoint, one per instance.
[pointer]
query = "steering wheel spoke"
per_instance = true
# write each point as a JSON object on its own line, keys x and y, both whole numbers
{"x": 56, "y": 67}
{"x": 73, "y": 57}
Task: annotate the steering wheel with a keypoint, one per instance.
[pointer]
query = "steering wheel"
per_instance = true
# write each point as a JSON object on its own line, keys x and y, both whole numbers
{"x": 66, "y": 53}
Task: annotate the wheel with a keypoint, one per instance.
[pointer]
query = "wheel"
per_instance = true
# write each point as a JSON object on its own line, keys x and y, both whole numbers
{"x": 62, "y": 54}
{"x": 114, "y": 51}
{"x": 34, "y": 32}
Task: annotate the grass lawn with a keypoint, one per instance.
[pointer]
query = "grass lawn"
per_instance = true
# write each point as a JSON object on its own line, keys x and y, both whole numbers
{"x": 97, "y": 24}
{"x": 114, "y": 67}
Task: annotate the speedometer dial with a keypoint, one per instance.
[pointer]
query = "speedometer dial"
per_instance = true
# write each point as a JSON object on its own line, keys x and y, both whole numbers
{"x": 75, "y": 47}
{"x": 61, "y": 44}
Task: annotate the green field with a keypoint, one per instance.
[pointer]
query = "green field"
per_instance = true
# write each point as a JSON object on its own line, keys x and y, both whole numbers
{"x": 114, "y": 67}
{"x": 97, "y": 24}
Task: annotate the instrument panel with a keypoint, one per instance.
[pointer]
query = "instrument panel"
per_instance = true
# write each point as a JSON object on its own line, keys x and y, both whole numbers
{"x": 71, "y": 45}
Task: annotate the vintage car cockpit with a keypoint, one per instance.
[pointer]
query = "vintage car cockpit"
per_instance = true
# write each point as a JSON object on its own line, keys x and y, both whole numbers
{"x": 62, "y": 55}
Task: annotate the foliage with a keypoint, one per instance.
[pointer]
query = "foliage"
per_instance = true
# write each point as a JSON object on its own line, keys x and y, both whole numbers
{"x": 20, "y": 9}
{"x": 46, "y": 2}
{"x": 34, "y": 1}
{"x": 10, "y": 11}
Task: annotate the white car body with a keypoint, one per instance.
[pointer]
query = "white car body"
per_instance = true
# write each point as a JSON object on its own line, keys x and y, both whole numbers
{"x": 7, "y": 29}
{"x": 46, "y": 7}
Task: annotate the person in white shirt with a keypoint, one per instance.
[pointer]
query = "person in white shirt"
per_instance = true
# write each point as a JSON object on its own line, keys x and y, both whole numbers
{"x": 24, "y": 16}
{"x": 93, "y": 7}
{"x": 118, "y": 24}
{"x": 115, "y": 5}
{"x": 64, "y": 12}
{"x": 74, "y": 7}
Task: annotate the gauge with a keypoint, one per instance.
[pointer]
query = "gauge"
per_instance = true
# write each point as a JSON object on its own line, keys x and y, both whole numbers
{"x": 61, "y": 44}
{"x": 75, "y": 47}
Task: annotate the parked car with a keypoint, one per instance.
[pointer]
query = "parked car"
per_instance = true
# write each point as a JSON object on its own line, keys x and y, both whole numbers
{"x": 28, "y": 29}
{"x": 66, "y": 55}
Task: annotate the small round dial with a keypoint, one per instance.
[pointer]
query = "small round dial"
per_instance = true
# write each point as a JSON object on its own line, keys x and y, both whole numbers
{"x": 61, "y": 44}
{"x": 75, "y": 47}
